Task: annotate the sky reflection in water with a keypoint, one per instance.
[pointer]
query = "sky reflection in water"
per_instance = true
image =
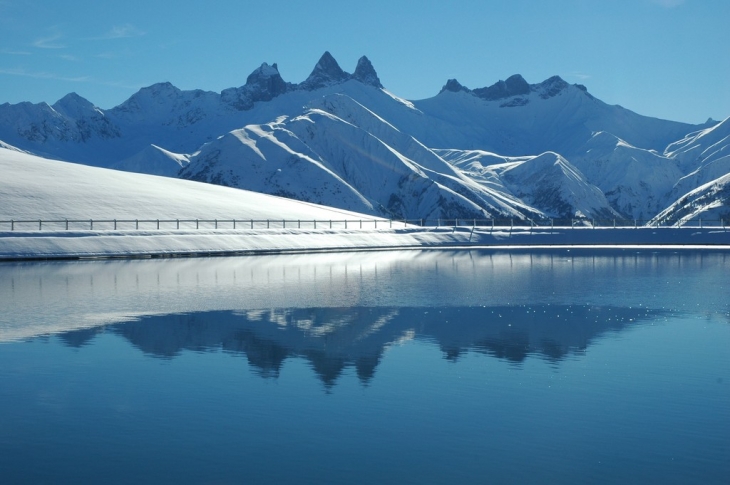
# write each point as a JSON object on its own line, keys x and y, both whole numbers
{"x": 416, "y": 367}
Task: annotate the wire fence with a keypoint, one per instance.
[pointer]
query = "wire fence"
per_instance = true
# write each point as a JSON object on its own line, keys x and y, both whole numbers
{"x": 314, "y": 224}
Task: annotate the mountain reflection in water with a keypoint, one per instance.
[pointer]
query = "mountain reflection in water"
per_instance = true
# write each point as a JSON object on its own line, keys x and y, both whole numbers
{"x": 332, "y": 339}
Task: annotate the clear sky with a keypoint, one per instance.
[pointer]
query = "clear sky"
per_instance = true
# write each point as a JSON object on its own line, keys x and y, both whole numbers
{"x": 664, "y": 58}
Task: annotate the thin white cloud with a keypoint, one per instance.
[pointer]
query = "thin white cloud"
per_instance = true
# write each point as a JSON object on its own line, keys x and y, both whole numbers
{"x": 580, "y": 75}
{"x": 123, "y": 32}
{"x": 49, "y": 42}
{"x": 668, "y": 3}
{"x": 13, "y": 52}
{"x": 55, "y": 77}
{"x": 43, "y": 75}
{"x": 69, "y": 57}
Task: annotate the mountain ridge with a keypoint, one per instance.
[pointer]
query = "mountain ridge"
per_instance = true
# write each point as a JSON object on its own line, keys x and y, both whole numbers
{"x": 566, "y": 138}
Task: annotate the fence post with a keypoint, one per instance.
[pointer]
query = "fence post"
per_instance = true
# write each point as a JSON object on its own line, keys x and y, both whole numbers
{"x": 552, "y": 223}
{"x": 345, "y": 223}
{"x": 438, "y": 222}
{"x": 634, "y": 223}
{"x": 251, "y": 223}
{"x": 283, "y": 224}
{"x": 197, "y": 224}
{"x": 614, "y": 223}
{"x": 299, "y": 223}
{"x": 315, "y": 223}
{"x": 158, "y": 224}
{"x": 40, "y": 224}
{"x": 456, "y": 222}
{"x": 510, "y": 224}
{"x": 67, "y": 224}
{"x": 234, "y": 223}
{"x": 376, "y": 223}
{"x": 330, "y": 223}
{"x": 268, "y": 224}
{"x": 178, "y": 223}
{"x": 91, "y": 224}
{"x": 700, "y": 223}
{"x": 360, "y": 223}
{"x": 593, "y": 223}
{"x": 391, "y": 223}
{"x": 115, "y": 224}
{"x": 12, "y": 225}
{"x": 136, "y": 223}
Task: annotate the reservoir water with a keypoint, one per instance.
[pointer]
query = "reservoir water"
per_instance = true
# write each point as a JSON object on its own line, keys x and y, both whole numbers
{"x": 608, "y": 366}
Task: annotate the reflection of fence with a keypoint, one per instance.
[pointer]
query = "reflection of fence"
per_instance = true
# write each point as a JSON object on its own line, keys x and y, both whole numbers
{"x": 243, "y": 224}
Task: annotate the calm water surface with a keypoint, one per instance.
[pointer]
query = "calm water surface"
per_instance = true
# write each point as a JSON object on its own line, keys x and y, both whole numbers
{"x": 407, "y": 367}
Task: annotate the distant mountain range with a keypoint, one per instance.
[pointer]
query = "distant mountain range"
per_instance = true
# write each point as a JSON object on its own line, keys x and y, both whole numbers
{"x": 512, "y": 149}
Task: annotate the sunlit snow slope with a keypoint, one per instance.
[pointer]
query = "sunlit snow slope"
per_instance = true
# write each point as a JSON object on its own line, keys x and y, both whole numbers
{"x": 38, "y": 188}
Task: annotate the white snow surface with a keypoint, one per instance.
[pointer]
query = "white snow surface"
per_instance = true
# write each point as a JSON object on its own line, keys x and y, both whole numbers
{"x": 39, "y": 189}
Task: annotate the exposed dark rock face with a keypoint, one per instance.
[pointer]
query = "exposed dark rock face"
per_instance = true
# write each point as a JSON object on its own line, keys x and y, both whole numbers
{"x": 325, "y": 73}
{"x": 514, "y": 85}
{"x": 365, "y": 73}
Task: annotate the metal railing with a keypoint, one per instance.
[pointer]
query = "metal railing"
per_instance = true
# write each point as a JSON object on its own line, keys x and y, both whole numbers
{"x": 244, "y": 224}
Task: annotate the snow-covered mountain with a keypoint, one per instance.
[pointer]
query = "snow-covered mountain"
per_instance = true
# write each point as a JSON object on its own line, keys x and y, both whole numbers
{"x": 548, "y": 182}
{"x": 511, "y": 149}
{"x": 37, "y": 188}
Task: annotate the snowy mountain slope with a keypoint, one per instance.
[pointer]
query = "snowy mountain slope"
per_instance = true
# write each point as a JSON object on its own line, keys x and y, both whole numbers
{"x": 154, "y": 160}
{"x": 10, "y": 147}
{"x": 708, "y": 202}
{"x": 704, "y": 156}
{"x": 72, "y": 122}
{"x": 701, "y": 147}
{"x": 548, "y": 116}
{"x": 635, "y": 181}
{"x": 269, "y": 159}
{"x": 320, "y": 157}
{"x": 547, "y": 182}
{"x": 34, "y": 187}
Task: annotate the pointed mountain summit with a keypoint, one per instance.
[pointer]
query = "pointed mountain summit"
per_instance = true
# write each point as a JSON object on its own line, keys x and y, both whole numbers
{"x": 365, "y": 73}
{"x": 454, "y": 86}
{"x": 74, "y": 106}
{"x": 263, "y": 84}
{"x": 551, "y": 87}
{"x": 325, "y": 73}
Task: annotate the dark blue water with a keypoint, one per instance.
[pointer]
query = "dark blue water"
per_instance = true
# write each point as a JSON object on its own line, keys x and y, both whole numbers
{"x": 411, "y": 367}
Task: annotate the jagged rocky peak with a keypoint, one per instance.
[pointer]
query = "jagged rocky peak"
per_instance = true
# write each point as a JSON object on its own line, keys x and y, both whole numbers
{"x": 267, "y": 82}
{"x": 551, "y": 87}
{"x": 268, "y": 78}
{"x": 325, "y": 73}
{"x": 454, "y": 86}
{"x": 263, "y": 84}
{"x": 365, "y": 73}
{"x": 515, "y": 85}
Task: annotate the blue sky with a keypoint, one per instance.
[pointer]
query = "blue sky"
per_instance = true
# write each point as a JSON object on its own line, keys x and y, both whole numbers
{"x": 664, "y": 58}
